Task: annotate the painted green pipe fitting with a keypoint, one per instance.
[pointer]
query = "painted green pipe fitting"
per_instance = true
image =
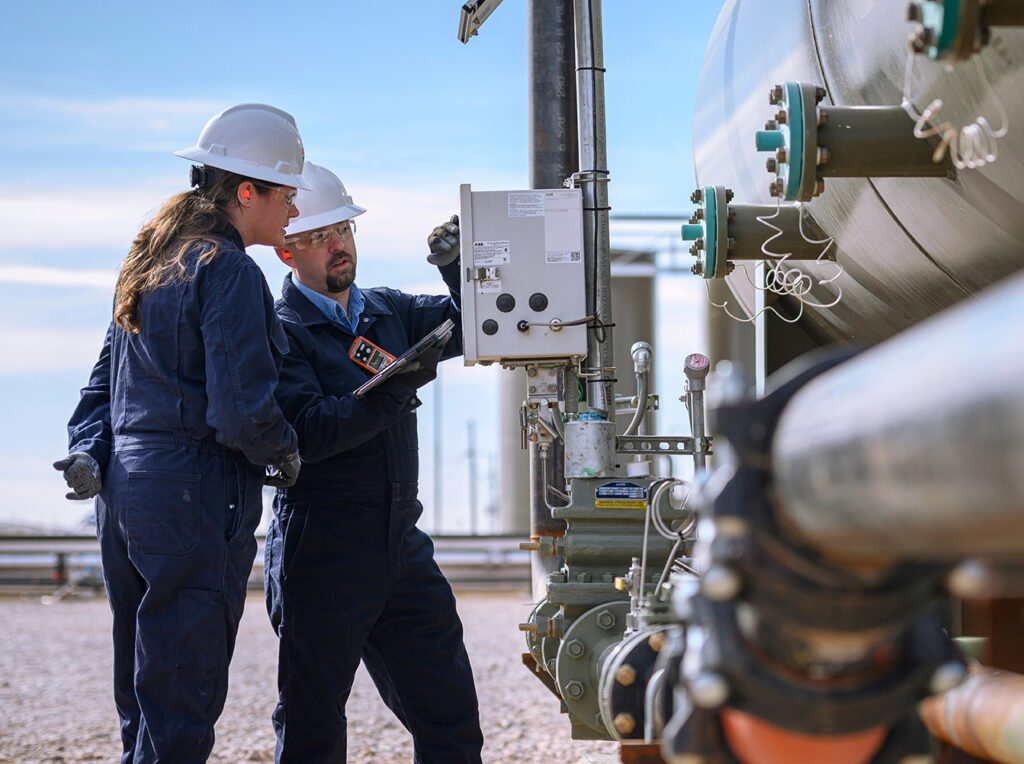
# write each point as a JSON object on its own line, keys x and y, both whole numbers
{"x": 770, "y": 140}
{"x": 692, "y": 231}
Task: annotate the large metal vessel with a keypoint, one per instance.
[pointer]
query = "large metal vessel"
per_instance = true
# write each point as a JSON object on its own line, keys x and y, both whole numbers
{"x": 909, "y": 246}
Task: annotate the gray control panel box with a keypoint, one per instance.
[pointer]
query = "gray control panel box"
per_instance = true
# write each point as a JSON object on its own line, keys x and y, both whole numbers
{"x": 522, "y": 275}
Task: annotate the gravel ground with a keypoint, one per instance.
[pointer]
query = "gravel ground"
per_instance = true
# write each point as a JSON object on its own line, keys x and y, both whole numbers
{"x": 56, "y": 703}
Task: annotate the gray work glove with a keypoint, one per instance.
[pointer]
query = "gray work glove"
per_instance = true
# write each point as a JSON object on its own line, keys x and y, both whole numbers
{"x": 285, "y": 474}
{"x": 444, "y": 243}
{"x": 423, "y": 369}
{"x": 81, "y": 473}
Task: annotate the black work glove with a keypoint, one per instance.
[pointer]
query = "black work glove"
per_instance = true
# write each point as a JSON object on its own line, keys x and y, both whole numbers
{"x": 285, "y": 474}
{"x": 423, "y": 369}
{"x": 81, "y": 473}
{"x": 444, "y": 243}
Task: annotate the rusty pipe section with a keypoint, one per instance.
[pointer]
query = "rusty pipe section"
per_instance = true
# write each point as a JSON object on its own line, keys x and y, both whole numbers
{"x": 983, "y": 716}
{"x": 915, "y": 448}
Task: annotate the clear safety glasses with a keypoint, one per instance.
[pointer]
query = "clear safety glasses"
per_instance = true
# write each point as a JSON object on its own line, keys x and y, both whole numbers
{"x": 343, "y": 231}
{"x": 288, "y": 197}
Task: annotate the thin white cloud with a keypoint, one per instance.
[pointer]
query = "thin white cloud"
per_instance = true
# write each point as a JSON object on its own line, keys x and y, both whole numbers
{"x": 28, "y": 350}
{"x": 129, "y": 114}
{"x": 78, "y": 278}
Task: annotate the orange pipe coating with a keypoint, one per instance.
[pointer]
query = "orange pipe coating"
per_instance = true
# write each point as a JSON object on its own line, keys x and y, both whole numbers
{"x": 754, "y": 741}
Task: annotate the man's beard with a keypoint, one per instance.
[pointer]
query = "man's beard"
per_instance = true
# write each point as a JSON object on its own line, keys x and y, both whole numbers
{"x": 339, "y": 282}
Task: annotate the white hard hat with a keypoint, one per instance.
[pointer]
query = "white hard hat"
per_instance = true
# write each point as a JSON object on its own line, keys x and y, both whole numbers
{"x": 253, "y": 140}
{"x": 325, "y": 201}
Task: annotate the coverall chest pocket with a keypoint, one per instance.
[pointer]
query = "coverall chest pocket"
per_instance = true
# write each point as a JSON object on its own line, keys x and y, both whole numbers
{"x": 162, "y": 514}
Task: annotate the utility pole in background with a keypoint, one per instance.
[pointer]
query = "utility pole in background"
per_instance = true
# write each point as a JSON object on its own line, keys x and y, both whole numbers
{"x": 471, "y": 454}
{"x": 438, "y": 461}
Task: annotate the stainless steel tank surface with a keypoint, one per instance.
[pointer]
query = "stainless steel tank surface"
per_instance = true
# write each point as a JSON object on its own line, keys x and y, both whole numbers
{"x": 909, "y": 246}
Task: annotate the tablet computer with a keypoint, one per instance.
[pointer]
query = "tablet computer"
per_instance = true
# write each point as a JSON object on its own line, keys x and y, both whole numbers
{"x": 439, "y": 336}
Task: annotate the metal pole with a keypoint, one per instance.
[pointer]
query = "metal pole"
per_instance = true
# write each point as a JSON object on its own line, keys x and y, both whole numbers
{"x": 593, "y": 178}
{"x": 471, "y": 437}
{"x": 554, "y": 156}
{"x": 438, "y": 472}
{"x": 915, "y": 448}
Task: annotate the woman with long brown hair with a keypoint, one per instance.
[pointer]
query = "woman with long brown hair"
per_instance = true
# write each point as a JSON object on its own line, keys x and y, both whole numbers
{"x": 178, "y": 428}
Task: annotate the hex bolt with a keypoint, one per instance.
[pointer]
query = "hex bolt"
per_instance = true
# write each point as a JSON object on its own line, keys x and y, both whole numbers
{"x": 696, "y": 196}
{"x": 606, "y": 620}
{"x": 624, "y": 723}
{"x": 781, "y": 156}
{"x": 657, "y": 641}
{"x": 772, "y": 191}
{"x": 552, "y": 388}
{"x": 771, "y": 124}
{"x": 583, "y": 578}
{"x": 772, "y": 164}
{"x": 946, "y": 677}
{"x": 730, "y": 266}
{"x": 574, "y": 689}
{"x": 699, "y": 244}
{"x": 819, "y": 94}
{"x": 693, "y": 250}
{"x": 720, "y": 583}
{"x": 708, "y": 690}
{"x": 775, "y": 95}
{"x": 533, "y": 389}
{"x": 914, "y": 12}
{"x": 781, "y": 117}
{"x": 729, "y": 195}
{"x": 697, "y": 269}
{"x": 699, "y": 214}
{"x": 575, "y": 649}
{"x": 823, "y": 155}
{"x": 819, "y": 187}
{"x": 625, "y": 675}
{"x": 971, "y": 578}
{"x": 779, "y": 187}
{"x": 531, "y": 372}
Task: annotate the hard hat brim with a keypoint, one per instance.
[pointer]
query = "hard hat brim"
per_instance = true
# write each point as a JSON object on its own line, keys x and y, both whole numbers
{"x": 302, "y": 224}
{"x": 242, "y": 167}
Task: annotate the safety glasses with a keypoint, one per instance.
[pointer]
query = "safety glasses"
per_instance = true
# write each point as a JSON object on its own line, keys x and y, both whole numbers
{"x": 288, "y": 197}
{"x": 343, "y": 231}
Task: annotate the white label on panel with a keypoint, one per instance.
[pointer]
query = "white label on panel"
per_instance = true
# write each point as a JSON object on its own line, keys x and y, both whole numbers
{"x": 488, "y": 286}
{"x": 562, "y": 257}
{"x": 490, "y": 253}
{"x": 562, "y": 221}
{"x": 528, "y": 204}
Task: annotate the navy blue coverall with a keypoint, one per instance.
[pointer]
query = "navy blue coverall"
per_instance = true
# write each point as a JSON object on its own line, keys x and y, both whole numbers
{"x": 182, "y": 419}
{"x": 349, "y": 575}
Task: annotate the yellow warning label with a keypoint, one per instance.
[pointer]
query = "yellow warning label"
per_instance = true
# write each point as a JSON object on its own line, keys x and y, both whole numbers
{"x": 621, "y": 503}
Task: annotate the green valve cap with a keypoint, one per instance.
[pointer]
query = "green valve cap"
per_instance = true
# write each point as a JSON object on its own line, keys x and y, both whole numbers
{"x": 769, "y": 140}
{"x": 692, "y": 231}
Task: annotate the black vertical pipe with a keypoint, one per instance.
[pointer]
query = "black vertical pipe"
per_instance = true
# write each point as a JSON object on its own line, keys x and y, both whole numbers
{"x": 554, "y": 156}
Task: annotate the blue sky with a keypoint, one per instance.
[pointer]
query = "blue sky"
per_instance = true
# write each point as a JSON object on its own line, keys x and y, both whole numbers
{"x": 95, "y": 98}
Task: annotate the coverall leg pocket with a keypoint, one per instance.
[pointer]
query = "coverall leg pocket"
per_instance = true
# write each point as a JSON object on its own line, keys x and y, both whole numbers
{"x": 162, "y": 512}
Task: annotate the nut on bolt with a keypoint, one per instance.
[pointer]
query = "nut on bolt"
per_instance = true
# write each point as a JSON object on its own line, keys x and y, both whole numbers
{"x": 625, "y": 675}
{"x": 708, "y": 690}
{"x": 696, "y": 196}
{"x": 657, "y": 641}
{"x": 574, "y": 689}
{"x": 775, "y": 94}
{"x": 606, "y": 620}
{"x": 772, "y": 164}
{"x": 575, "y": 649}
{"x": 624, "y": 723}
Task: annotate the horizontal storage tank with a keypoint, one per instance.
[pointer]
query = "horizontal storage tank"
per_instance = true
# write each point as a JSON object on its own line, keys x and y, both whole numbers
{"x": 909, "y": 246}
